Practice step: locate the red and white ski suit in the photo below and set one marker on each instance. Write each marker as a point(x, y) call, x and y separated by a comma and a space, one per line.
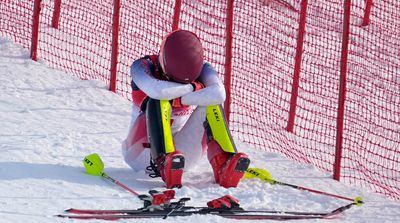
point(187, 122)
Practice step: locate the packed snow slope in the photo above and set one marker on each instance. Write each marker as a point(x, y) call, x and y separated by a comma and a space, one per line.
point(51, 120)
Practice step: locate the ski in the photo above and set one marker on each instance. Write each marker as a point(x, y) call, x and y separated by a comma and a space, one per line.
point(130, 211)
point(230, 216)
point(179, 210)
point(158, 204)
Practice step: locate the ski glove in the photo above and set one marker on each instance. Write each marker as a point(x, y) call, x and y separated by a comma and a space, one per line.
point(176, 103)
point(197, 85)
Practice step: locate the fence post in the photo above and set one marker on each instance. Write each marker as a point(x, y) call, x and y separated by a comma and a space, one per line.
point(177, 15)
point(114, 46)
point(342, 90)
point(367, 13)
point(297, 66)
point(56, 14)
point(228, 58)
point(35, 29)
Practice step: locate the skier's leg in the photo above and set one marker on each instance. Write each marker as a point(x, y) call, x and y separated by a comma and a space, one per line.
point(190, 138)
point(134, 146)
point(165, 159)
point(228, 164)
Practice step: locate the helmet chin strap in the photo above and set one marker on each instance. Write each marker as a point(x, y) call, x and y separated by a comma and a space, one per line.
point(161, 69)
point(166, 76)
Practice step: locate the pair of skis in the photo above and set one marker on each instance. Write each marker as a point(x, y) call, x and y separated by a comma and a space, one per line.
point(227, 207)
point(158, 204)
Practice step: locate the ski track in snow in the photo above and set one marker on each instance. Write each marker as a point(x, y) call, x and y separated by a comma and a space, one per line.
point(51, 120)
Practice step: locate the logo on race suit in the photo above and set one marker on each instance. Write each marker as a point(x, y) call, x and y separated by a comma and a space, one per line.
point(180, 112)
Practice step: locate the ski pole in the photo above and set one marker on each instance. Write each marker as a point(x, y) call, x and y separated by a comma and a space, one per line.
point(95, 166)
point(265, 176)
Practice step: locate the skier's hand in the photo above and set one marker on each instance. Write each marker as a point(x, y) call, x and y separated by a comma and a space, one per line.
point(176, 103)
point(197, 85)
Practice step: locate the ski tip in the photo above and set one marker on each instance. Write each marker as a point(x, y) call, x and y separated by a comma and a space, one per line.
point(358, 201)
point(73, 210)
point(60, 216)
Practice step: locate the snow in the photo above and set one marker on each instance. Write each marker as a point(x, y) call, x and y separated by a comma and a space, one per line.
point(51, 120)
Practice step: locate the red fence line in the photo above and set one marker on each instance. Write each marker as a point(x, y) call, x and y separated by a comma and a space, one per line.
point(368, 7)
point(228, 58)
point(114, 46)
point(342, 90)
point(56, 14)
point(177, 15)
point(35, 29)
point(297, 66)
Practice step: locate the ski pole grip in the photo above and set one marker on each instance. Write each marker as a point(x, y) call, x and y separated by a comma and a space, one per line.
point(93, 164)
point(358, 201)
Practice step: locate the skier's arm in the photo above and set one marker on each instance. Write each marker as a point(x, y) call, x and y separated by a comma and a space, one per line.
point(154, 88)
point(212, 94)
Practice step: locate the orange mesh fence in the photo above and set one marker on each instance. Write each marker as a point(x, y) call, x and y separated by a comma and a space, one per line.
point(16, 21)
point(372, 114)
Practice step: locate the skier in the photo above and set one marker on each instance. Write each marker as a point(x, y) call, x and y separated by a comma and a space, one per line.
point(181, 117)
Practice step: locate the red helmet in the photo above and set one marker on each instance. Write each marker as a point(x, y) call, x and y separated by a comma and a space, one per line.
point(181, 56)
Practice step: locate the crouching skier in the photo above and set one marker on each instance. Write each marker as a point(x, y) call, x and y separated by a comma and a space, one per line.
point(181, 117)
